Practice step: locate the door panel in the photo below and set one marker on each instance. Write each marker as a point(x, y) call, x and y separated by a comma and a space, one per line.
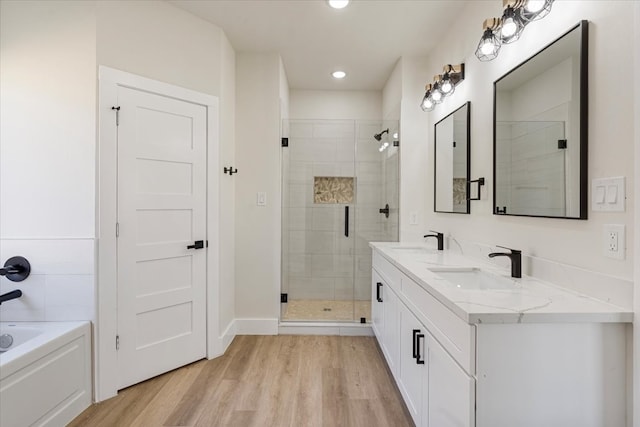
point(161, 210)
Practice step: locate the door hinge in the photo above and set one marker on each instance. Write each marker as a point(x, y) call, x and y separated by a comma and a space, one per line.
point(117, 229)
point(284, 142)
point(562, 144)
point(117, 110)
point(117, 342)
point(284, 298)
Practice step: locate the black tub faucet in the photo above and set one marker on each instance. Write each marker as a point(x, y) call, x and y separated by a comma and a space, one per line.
point(438, 236)
point(16, 269)
point(516, 260)
point(10, 295)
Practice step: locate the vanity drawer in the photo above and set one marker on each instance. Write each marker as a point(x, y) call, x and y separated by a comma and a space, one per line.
point(454, 334)
point(388, 271)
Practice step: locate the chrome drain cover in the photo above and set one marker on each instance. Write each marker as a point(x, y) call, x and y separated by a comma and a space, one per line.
point(5, 341)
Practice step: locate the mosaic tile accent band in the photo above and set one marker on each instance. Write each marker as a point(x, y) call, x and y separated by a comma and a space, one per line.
point(332, 189)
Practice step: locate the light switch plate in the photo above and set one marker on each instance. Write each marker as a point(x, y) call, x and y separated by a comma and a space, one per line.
point(608, 194)
point(413, 218)
point(261, 198)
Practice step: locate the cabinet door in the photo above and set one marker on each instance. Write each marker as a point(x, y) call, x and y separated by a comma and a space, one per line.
point(391, 333)
point(377, 312)
point(451, 396)
point(412, 371)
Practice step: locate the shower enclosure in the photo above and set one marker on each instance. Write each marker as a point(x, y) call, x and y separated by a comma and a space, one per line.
point(340, 187)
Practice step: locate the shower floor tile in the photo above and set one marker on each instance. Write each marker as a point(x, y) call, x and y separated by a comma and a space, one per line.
point(327, 310)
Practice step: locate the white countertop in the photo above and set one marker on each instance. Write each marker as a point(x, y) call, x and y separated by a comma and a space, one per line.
point(529, 301)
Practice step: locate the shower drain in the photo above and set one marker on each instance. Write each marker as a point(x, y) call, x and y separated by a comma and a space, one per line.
point(5, 341)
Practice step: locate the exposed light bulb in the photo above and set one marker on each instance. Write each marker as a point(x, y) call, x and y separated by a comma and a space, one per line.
point(427, 104)
point(338, 4)
point(446, 87)
point(395, 135)
point(509, 28)
point(534, 6)
point(436, 95)
point(487, 46)
point(339, 74)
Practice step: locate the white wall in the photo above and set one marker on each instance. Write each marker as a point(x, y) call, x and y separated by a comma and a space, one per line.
point(577, 243)
point(47, 156)
point(258, 80)
point(335, 105)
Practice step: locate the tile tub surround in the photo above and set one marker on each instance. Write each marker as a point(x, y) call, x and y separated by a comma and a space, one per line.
point(530, 301)
point(61, 286)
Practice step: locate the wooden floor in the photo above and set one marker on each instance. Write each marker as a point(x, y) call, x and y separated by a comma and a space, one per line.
point(266, 381)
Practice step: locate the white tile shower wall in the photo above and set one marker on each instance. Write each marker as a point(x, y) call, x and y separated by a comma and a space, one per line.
point(319, 259)
point(61, 286)
point(604, 287)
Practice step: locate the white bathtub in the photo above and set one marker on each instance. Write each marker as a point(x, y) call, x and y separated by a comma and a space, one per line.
point(45, 375)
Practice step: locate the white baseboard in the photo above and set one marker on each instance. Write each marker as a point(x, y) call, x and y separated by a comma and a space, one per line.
point(316, 328)
point(256, 326)
point(228, 335)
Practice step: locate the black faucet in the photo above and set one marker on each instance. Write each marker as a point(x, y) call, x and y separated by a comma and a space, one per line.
point(10, 295)
point(516, 260)
point(438, 236)
point(16, 269)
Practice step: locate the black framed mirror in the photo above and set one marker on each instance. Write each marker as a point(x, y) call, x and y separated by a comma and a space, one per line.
point(540, 141)
point(452, 165)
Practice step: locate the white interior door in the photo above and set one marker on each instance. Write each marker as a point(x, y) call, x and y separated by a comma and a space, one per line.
point(161, 211)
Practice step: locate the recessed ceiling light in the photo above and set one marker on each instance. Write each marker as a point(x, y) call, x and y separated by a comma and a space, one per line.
point(338, 4)
point(339, 74)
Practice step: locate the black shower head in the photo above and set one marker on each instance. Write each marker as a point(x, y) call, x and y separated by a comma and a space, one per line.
point(378, 136)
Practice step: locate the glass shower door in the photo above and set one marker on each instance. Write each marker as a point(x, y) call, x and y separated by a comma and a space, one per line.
point(340, 191)
point(318, 221)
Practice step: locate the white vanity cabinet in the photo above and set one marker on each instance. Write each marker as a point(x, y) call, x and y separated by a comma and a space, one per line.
point(386, 319)
point(553, 368)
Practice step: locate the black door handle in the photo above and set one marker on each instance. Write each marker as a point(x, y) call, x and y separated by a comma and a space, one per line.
point(198, 244)
point(378, 296)
point(346, 221)
point(415, 353)
point(418, 355)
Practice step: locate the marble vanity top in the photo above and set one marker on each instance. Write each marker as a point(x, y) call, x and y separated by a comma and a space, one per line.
point(525, 300)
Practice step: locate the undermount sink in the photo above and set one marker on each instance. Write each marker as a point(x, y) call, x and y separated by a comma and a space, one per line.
point(473, 278)
point(414, 250)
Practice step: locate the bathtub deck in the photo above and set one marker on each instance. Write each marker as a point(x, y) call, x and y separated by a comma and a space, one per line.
point(266, 381)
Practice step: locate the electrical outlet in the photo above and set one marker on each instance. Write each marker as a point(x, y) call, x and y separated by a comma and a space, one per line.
point(614, 241)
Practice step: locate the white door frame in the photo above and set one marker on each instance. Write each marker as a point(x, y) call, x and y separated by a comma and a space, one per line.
point(105, 355)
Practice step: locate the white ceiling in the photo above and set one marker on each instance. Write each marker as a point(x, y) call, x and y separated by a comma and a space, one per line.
point(365, 39)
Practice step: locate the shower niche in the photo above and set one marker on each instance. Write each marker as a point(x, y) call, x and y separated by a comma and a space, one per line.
point(336, 177)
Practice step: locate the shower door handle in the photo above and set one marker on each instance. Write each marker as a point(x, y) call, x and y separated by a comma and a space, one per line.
point(346, 221)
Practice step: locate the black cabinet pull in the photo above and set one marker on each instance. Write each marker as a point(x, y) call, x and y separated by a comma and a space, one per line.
point(415, 352)
point(378, 295)
point(418, 355)
point(198, 244)
point(346, 221)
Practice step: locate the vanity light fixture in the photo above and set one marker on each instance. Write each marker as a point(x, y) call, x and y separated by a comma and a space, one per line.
point(536, 9)
point(442, 86)
point(490, 44)
point(508, 28)
point(512, 23)
point(339, 74)
point(338, 4)
point(453, 74)
point(427, 103)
